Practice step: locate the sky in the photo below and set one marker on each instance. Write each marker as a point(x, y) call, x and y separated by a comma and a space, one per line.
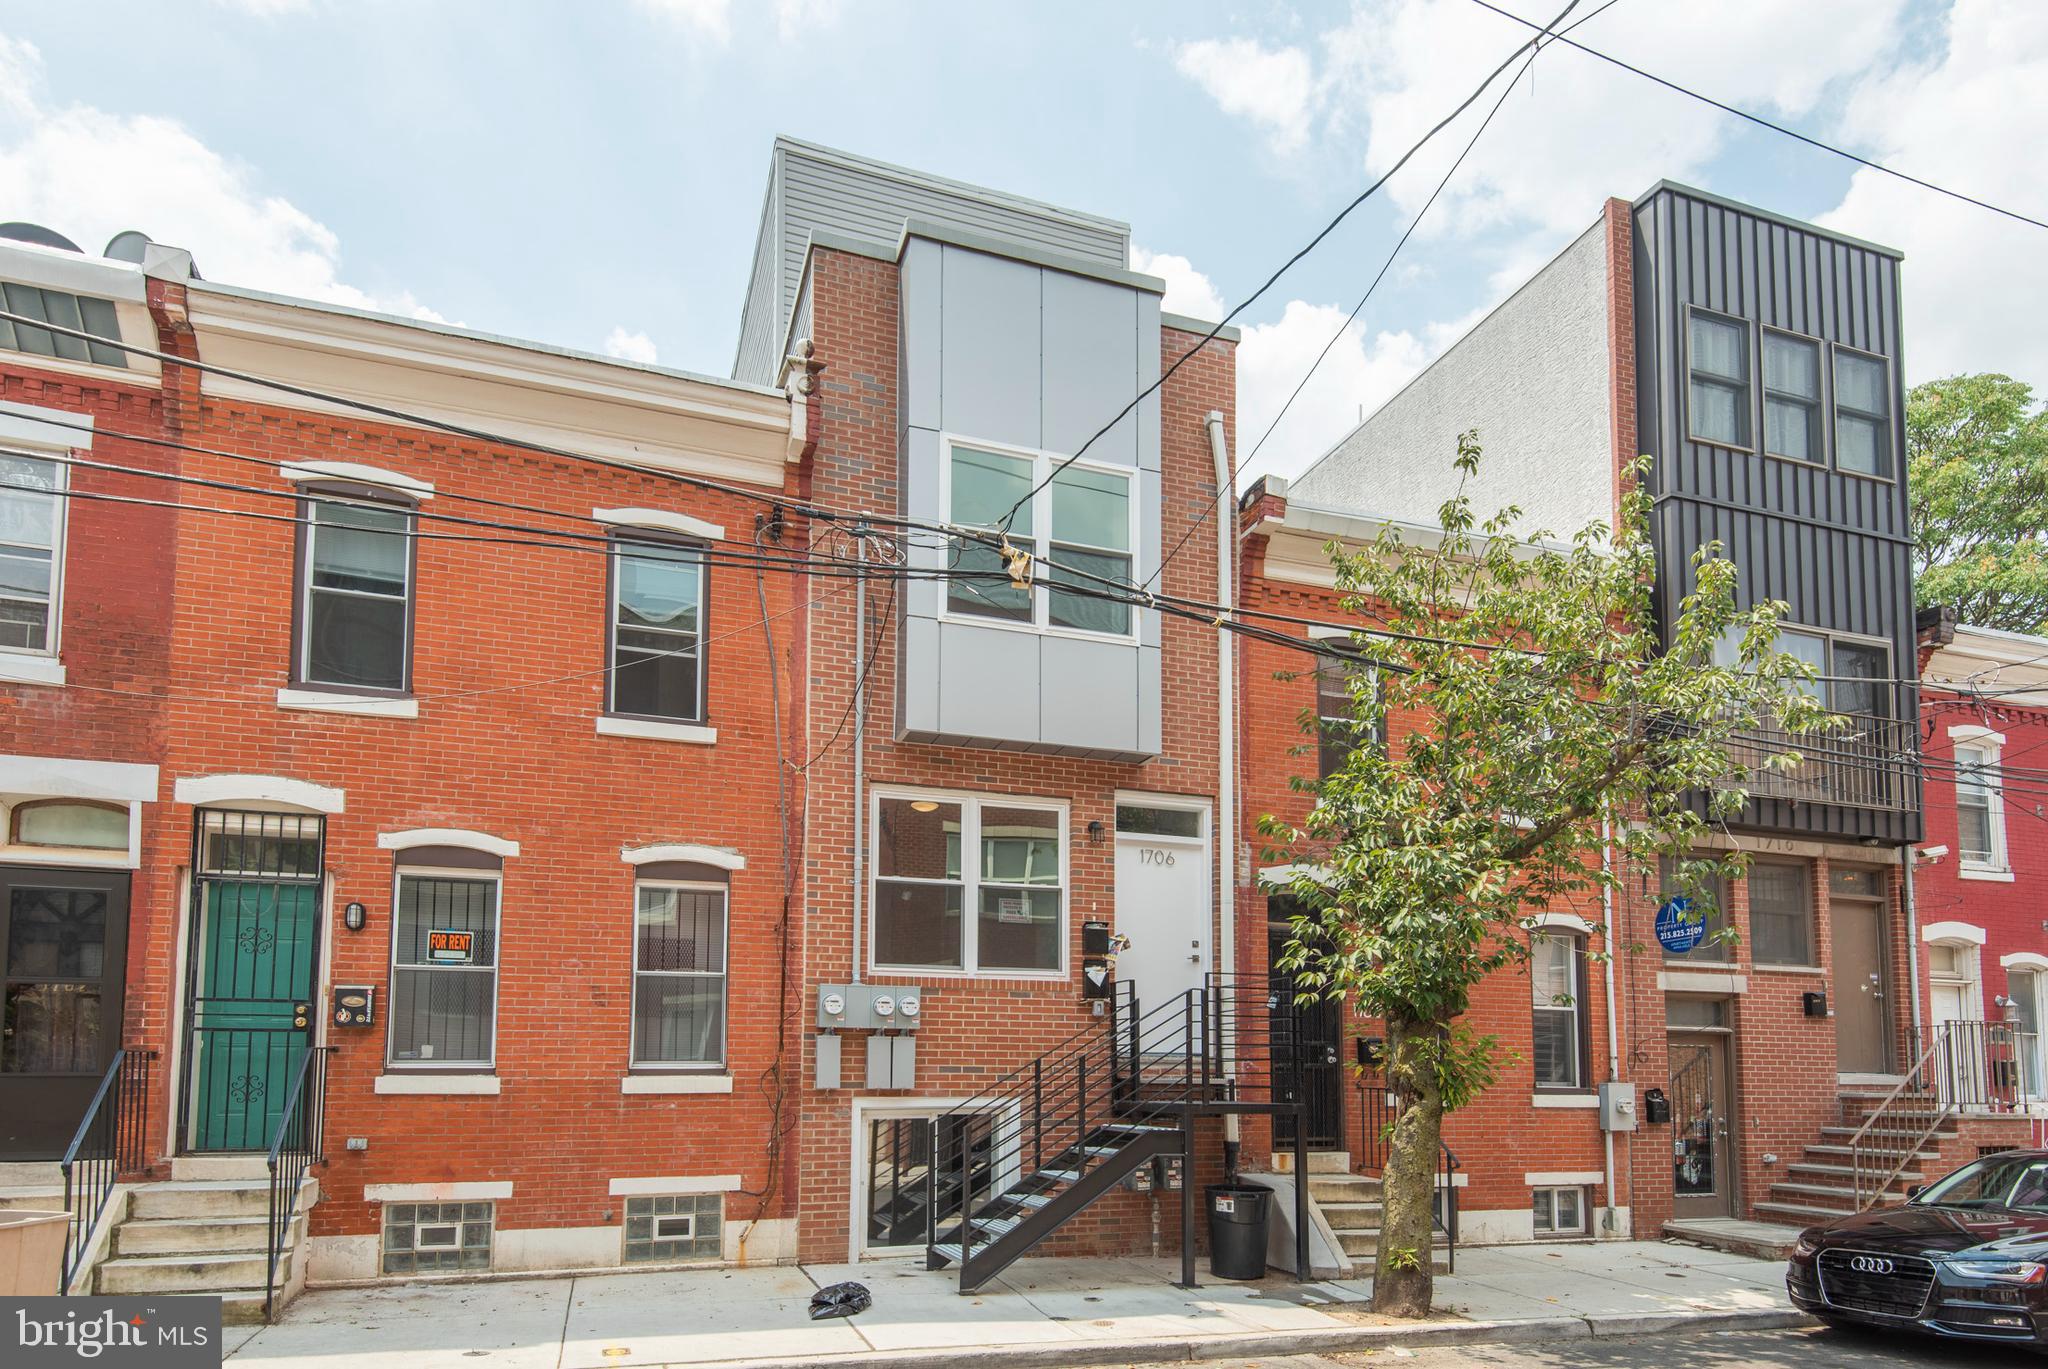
point(591, 175)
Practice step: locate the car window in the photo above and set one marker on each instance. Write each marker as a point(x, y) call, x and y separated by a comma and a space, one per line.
point(1995, 1181)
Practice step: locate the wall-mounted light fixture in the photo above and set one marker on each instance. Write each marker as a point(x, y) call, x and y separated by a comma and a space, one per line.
point(355, 917)
point(1095, 832)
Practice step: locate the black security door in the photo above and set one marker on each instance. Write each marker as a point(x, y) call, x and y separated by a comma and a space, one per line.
point(1307, 1064)
point(63, 969)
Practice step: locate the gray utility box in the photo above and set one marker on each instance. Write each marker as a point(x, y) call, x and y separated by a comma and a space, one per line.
point(1617, 1107)
point(870, 1007)
point(892, 1062)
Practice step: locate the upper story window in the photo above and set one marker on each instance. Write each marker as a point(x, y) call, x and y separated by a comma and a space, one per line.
point(1853, 675)
point(657, 625)
point(80, 312)
point(1085, 520)
point(31, 551)
point(1863, 426)
point(1339, 730)
point(356, 594)
point(1980, 803)
point(1792, 398)
point(1720, 380)
point(924, 886)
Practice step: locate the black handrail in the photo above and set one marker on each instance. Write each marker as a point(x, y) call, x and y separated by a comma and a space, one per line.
point(1379, 1107)
point(109, 1142)
point(294, 1147)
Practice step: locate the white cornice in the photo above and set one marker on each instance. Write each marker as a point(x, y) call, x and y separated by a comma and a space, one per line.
point(610, 410)
point(2013, 664)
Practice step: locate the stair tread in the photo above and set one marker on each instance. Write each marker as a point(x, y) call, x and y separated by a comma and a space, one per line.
point(1845, 1150)
point(1803, 1210)
point(207, 1219)
point(190, 1257)
point(1794, 1186)
point(1849, 1171)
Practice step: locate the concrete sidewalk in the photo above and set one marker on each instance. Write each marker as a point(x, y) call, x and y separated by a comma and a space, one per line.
point(1041, 1312)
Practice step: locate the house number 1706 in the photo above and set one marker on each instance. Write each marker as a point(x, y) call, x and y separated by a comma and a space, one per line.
point(1153, 855)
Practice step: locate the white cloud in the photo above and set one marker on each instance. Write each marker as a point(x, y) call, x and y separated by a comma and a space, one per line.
point(88, 174)
point(794, 18)
point(1272, 87)
point(629, 346)
point(710, 20)
point(1975, 118)
point(266, 9)
point(1188, 291)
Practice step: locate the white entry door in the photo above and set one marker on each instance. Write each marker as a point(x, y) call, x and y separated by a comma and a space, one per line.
point(1163, 899)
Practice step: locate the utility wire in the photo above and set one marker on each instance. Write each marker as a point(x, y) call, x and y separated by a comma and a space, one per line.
point(1004, 522)
point(1762, 122)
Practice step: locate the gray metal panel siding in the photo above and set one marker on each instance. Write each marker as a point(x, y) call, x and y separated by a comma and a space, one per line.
point(989, 360)
point(761, 316)
point(1833, 546)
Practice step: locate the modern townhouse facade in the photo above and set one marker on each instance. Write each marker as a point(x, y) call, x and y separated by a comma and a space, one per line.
point(998, 777)
point(1754, 360)
point(1983, 864)
point(463, 826)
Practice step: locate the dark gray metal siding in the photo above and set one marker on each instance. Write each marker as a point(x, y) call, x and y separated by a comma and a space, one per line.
point(1834, 546)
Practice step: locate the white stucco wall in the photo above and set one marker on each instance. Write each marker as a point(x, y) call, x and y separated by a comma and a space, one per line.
point(1532, 377)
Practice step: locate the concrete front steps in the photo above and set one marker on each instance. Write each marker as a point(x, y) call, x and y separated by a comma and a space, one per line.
point(206, 1230)
point(1350, 1203)
point(33, 1184)
point(1821, 1186)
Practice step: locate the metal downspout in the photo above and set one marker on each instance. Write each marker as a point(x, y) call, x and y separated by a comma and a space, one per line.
point(1226, 727)
point(1613, 1024)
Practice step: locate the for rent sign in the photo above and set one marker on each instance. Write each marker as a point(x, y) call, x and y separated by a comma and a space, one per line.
point(114, 1333)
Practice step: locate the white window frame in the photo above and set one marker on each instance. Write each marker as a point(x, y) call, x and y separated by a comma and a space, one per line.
point(624, 540)
point(1992, 745)
point(1578, 1011)
point(60, 520)
point(1579, 1196)
point(496, 971)
point(971, 805)
point(717, 1066)
point(302, 670)
point(1041, 539)
point(1004, 1173)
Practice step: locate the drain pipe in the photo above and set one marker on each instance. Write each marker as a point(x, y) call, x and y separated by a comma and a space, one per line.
point(1226, 729)
point(860, 736)
point(1613, 1025)
point(1906, 861)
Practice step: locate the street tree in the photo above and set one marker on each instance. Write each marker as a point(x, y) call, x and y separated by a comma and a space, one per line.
point(1536, 720)
point(1977, 449)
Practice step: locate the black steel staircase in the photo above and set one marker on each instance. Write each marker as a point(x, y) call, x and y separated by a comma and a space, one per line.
point(1012, 1165)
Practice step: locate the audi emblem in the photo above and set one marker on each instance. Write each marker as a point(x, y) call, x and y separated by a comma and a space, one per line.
point(1871, 1264)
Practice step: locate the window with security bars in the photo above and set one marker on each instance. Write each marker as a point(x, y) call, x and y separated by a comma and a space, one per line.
point(31, 551)
point(430, 1238)
point(1559, 1006)
point(678, 1226)
point(679, 975)
point(80, 313)
point(1709, 906)
point(444, 970)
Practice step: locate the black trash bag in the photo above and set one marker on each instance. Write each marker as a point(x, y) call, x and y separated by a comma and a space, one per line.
point(840, 1300)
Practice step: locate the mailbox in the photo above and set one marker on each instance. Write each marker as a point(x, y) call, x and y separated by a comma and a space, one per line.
point(354, 1005)
point(1098, 961)
point(1656, 1107)
point(1814, 1003)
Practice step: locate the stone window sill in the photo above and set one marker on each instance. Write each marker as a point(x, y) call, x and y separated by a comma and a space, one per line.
point(16, 668)
point(363, 705)
point(693, 734)
point(1991, 873)
point(1565, 1100)
point(437, 1084)
point(676, 1083)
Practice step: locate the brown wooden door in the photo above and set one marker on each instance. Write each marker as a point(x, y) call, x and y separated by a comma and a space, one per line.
point(1862, 1033)
point(63, 969)
point(1702, 1128)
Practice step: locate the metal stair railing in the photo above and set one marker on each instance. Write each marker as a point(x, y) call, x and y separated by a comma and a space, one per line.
point(1964, 1066)
point(295, 1146)
point(110, 1141)
point(1379, 1107)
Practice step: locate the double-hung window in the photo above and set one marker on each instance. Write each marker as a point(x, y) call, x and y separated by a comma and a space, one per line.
point(356, 594)
point(31, 551)
point(968, 885)
point(679, 974)
point(657, 628)
point(1084, 520)
point(444, 969)
point(1344, 687)
point(1719, 391)
point(1980, 807)
point(1863, 426)
point(1780, 913)
point(1792, 398)
point(1557, 992)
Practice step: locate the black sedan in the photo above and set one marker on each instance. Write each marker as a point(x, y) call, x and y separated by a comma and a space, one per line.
point(1965, 1257)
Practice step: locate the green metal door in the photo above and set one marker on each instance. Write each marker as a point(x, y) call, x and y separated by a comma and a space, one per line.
point(251, 1009)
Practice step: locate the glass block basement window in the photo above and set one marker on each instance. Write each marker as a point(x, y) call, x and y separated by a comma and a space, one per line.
point(674, 1227)
point(426, 1238)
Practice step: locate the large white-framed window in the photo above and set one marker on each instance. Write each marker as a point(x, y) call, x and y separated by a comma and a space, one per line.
point(1085, 519)
point(1980, 802)
point(1557, 984)
point(31, 552)
point(2026, 999)
point(355, 592)
point(444, 969)
point(680, 932)
point(967, 884)
point(656, 627)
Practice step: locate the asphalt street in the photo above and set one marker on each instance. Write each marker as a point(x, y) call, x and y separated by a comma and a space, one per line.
point(1718, 1350)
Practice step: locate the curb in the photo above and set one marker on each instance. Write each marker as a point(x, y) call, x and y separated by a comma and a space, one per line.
point(1327, 1340)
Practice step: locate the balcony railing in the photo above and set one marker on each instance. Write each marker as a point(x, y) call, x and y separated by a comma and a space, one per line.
point(1868, 762)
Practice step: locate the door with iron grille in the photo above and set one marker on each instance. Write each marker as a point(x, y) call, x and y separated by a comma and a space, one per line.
point(1307, 1063)
point(254, 963)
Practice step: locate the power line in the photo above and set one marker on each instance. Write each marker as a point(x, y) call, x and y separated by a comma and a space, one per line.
point(1003, 523)
point(1762, 122)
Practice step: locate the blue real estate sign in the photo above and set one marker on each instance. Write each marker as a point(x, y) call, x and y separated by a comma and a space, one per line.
point(1679, 928)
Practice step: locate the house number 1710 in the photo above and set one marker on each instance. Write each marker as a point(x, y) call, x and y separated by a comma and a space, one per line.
point(1153, 855)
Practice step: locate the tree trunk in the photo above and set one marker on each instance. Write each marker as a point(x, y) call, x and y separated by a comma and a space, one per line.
point(1402, 1285)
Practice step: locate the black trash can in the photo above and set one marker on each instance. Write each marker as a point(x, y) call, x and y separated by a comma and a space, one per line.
point(1237, 1230)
